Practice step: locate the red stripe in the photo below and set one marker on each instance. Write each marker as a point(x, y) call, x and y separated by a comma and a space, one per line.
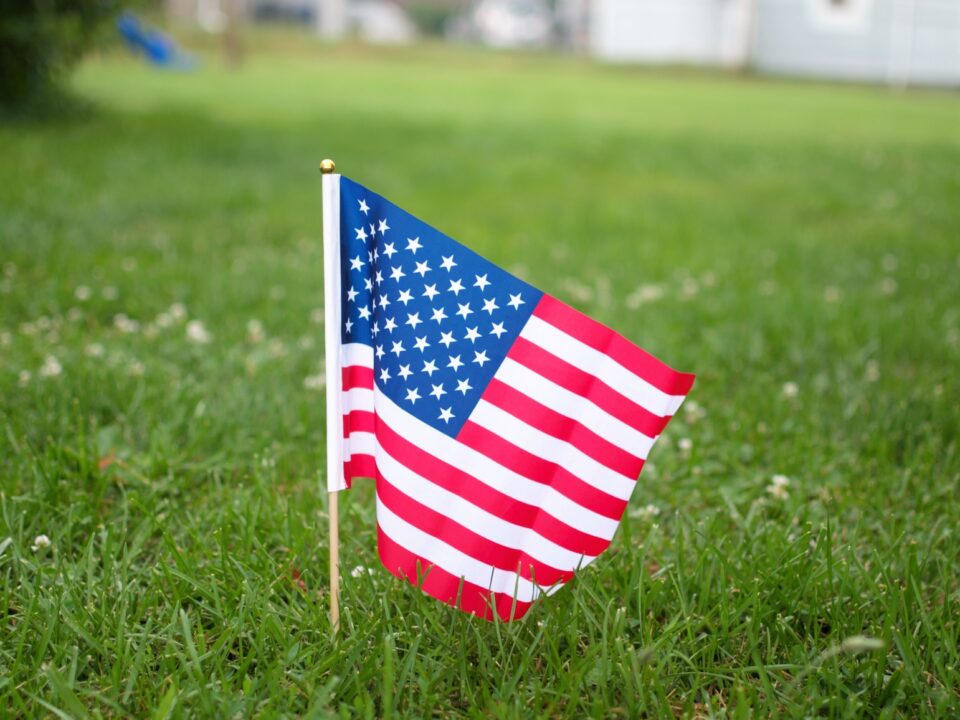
point(562, 428)
point(539, 470)
point(359, 421)
point(466, 540)
point(359, 466)
point(485, 497)
point(444, 586)
point(587, 386)
point(605, 340)
point(357, 376)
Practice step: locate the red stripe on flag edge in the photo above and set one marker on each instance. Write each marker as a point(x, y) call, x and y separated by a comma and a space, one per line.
point(487, 498)
point(360, 466)
point(587, 386)
point(603, 339)
point(465, 540)
point(444, 586)
point(562, 428)
point(539, 470)
point(357, 376)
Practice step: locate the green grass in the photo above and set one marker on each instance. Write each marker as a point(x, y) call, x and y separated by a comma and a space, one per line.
point(768, 235)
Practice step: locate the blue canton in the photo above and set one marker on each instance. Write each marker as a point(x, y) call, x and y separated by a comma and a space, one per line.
point(440, 318)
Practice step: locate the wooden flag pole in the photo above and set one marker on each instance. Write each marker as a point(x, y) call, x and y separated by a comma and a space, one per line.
point(331, 303)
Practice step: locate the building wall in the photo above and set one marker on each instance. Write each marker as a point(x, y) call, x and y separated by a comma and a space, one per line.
point(896, 41)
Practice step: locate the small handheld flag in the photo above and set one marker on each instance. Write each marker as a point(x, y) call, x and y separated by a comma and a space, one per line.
point(505, 430)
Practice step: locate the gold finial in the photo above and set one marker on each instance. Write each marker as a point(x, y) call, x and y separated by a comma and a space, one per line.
point(327, 166)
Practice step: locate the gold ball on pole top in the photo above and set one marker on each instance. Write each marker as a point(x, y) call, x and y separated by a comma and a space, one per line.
point(327, 166)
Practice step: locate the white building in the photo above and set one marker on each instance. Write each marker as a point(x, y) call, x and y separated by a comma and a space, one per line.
point(897, 41)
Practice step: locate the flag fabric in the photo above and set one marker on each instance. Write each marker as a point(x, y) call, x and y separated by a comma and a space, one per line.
point(505, 430)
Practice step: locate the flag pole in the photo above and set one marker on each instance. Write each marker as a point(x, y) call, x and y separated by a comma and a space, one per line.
point(331, 305)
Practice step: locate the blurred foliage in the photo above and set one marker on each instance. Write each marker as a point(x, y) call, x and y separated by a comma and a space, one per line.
point(40, 40)
point(431, 16)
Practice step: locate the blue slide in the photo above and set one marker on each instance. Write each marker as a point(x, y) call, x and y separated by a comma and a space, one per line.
point(156, 47)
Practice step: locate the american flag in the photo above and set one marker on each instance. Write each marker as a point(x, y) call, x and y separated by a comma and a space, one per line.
point(504, 429)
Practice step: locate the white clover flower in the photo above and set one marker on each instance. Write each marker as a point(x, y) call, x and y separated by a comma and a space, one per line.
point(40, 542)
point(23, 378)
point(28, 328)
point(151, 331)
point(6, 338)
point(82, 293)
point(643, 295)
point(255, 333)
point(129, 264)
point(778, 487)
point(316, 316)
point(51, 367)
point(9, 269)
point(693, 411)
point(74, 314)
point(359, 570)
point(689, 288)
point(305, 342)
point(646, 513)
point(94, 350)
point(164, 320)
point(109, 293)
point(831, 294)
point(790, 390)
point(872, 373)
point(178, 311)
point(685, 445)
point(125, 324)
point(197, 333)
point(136, 369)
point(276, 348)
point(888, 286)
point(315, 382)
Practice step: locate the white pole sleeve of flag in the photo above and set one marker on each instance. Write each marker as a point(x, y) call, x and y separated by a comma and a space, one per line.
point(331, 324)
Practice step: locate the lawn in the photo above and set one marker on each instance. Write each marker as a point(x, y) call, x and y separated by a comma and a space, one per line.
point(161, 404)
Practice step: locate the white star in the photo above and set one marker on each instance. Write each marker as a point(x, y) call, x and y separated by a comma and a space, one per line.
point(376, 252)
point(365, 313)
point(413, 245)
point(368, 284)
point(413, 319)
point(430, 291)
point(471, 335)
point(397, 348)
point(364, 208)
point(405, 296)
point(456, 286)
point(498, 330)
point(349, 326)
point(430, 367)
point(379, 279)
point(446, 339)
point(361, 234)
point(373, 230)
point(482, 281)
point(413, 395)
point(370, 255)
point(439, 315)
point(438, 391)
point(356, 263)
point(480, 357)
point(464, 310)
point(380, 352)
point(463, 386)
point(422, 268)
point(455, 363)
point(351, 294)
point(384, 300)
point(397, 273)
point(421, 344)
point(490, 305)
point(448, 263)
point(516, 302)
point(390, 325)
point(405, 371)
point(446, 414)
point(389, 250)
point(383, 227)
point(384, 375)
point(375, 329)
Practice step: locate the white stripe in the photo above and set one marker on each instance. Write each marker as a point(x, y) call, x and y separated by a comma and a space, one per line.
point(569, 404)
point(448, 450)
point(356, 354)
point(360, 443)
point(358, 399)
point(485, 524)
point(453, 561)
point(553, 450)
point(578, 354)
